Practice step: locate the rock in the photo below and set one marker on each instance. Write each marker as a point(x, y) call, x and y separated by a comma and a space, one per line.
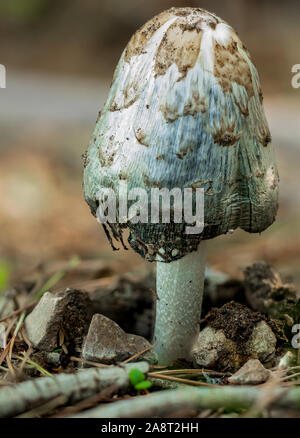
point(107, 343)
point(262, 342)
point(130, 303)
point(53, 360)
point(210, 347)
point(233, 335)
point(289, 359)
point(67, 312)
point(252, 373)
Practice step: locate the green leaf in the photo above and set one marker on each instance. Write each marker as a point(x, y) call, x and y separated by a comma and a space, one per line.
point(143, 385)
point(136, 376)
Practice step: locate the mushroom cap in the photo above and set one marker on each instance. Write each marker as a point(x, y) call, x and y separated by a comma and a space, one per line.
point(185, 110)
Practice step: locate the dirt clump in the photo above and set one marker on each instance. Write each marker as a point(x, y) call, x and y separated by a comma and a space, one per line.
point(235, 320)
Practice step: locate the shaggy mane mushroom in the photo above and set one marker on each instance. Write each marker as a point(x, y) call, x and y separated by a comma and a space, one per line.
point(184, 111)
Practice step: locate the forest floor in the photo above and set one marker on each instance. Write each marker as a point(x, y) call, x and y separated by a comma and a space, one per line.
point(50, 242)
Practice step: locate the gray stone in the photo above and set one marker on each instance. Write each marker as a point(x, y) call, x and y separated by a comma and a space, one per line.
point(211, 346)
point(287, 360)
point(262, 343)
point(107, 343)
point(68, 312)
point(214, 350)
point(252, 373)
point(129, 302)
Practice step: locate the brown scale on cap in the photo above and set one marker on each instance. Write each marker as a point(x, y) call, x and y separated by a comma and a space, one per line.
point(182, 42)
point(184, 12)
point(196, 104)
point(231, 66)
point(224, 132)
point(243, 106)
point(226, 136)
point(150, 183)
point(264, 135)
point(183, 50)
point(137, 44)
point(184, 151)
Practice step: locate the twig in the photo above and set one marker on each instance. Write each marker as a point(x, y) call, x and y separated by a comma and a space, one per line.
point(45, 408)
point(15, 400)
point(290, 377)
point(88, 402)
point(163, 403)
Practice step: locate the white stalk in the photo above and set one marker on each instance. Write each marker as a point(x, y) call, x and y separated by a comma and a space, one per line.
point(179, 288)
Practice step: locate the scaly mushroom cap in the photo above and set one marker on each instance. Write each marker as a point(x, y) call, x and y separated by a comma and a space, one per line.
point(185, 110)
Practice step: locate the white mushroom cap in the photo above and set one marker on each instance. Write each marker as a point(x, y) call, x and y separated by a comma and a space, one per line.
point(185, 110)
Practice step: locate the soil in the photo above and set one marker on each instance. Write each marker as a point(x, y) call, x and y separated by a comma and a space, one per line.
point(235, 320)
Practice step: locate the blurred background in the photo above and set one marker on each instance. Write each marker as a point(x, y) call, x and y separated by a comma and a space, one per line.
point(60, 57)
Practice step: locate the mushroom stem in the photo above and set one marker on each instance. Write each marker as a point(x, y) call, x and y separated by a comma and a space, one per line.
point(179, 287)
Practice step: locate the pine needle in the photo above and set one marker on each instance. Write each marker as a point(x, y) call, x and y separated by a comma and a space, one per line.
point(179, 380)
point(139, 353)
point(89, 362)
point(34, 365)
